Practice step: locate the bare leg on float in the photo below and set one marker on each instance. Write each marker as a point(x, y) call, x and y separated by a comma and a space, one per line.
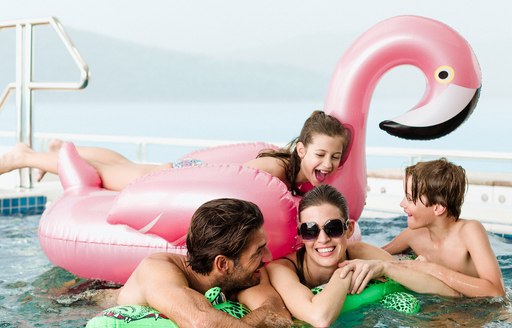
point(53, 146)
point(115, 170)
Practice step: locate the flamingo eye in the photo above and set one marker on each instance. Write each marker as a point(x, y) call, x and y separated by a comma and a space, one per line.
point(444, 74)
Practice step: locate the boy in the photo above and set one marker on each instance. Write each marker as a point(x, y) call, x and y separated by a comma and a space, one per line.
point(454, 250)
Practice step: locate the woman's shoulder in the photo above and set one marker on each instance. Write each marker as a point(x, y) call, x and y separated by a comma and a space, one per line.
point(289, 260)
point(362, 250)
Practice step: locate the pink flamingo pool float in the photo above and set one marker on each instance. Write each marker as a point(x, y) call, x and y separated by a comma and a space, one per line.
point(101, 234)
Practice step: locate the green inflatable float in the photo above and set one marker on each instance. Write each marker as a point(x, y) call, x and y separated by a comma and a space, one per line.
point(389, 293)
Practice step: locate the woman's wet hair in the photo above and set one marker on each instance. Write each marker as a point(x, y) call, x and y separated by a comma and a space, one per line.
point(221, 227)
point(318, 123)
point(438, 182)
point(325, 194)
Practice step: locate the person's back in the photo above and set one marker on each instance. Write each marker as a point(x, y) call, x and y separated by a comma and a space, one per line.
point(131, 292)
point(454, 250)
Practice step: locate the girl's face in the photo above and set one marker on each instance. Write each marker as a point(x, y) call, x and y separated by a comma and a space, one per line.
point(328, 248)
point(319, 158)
point(418, 215)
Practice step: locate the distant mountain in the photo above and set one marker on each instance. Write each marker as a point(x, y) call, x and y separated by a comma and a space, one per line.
point(127, 71)
point(297, 69)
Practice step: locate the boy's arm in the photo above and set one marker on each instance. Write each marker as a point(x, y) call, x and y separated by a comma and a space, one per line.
point(400, 243)
point(267, 307)
point(365, 270)
point(489, 282)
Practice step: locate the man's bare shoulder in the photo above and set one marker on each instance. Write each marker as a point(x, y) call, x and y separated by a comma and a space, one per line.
point(176, 259)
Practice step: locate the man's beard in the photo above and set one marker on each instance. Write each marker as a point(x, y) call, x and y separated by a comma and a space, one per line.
point(236, 282)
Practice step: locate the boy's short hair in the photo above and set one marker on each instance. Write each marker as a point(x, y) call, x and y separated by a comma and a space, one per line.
point(440, 182)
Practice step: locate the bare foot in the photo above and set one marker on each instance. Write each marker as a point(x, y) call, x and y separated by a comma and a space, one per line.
point(53, 146)
point(14, 158)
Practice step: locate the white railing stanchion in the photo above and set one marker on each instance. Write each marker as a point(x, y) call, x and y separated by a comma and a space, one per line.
point(24, 85)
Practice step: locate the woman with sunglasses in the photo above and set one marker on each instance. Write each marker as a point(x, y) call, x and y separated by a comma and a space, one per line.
point(325, 229)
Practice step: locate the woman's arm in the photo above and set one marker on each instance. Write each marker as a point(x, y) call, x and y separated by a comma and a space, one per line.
point(318, 310)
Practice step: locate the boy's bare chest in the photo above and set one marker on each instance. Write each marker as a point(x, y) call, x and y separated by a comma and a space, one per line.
point(448, 253)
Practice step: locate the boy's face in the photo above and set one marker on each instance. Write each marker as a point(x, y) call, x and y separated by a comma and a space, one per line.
point(418, 215)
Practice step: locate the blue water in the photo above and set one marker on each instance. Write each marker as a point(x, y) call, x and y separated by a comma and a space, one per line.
point(486, 130)
point(34, 293)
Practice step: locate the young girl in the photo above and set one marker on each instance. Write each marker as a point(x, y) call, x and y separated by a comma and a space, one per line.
point(325, 229)
point(315, 154)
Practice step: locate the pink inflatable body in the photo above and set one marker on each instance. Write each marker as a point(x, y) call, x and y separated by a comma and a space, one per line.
point(101, 234)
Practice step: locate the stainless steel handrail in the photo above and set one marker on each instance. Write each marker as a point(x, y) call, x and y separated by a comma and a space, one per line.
point(24, 83)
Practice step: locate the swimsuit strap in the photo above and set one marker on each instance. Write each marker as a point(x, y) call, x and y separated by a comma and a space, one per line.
point(298, 268)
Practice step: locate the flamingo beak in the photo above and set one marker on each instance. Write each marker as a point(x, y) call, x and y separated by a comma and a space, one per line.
point(436, 118)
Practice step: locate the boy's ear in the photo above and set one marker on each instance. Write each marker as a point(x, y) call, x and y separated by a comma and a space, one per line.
point(439, 209)
point(301, 149)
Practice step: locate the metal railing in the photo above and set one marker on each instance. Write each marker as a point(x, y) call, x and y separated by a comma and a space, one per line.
point(24, 84)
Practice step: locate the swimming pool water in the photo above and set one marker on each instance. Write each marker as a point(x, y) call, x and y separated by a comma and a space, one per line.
point(34, 293)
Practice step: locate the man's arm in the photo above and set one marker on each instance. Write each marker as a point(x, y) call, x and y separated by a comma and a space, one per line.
point(164, 286)
point(267, 307)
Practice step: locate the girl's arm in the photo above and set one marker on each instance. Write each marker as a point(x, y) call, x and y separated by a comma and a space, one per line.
point(318, 310)
point(271, 165)
point(489, 282)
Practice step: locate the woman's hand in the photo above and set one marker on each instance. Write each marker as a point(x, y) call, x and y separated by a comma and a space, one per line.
point(364, 271)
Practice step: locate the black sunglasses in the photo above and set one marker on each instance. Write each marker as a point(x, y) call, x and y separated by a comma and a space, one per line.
point(332, 228)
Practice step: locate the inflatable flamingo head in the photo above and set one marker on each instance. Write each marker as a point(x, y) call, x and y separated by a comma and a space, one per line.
point(453, 85)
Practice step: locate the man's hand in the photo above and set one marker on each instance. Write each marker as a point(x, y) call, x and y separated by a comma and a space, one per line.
point(274, 320)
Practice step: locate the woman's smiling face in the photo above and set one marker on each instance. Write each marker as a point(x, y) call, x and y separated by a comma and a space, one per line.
point(324, 250)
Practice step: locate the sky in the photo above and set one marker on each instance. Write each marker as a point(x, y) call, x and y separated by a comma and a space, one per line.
point(238, 28)
point(224, 25)
point(309, 34)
